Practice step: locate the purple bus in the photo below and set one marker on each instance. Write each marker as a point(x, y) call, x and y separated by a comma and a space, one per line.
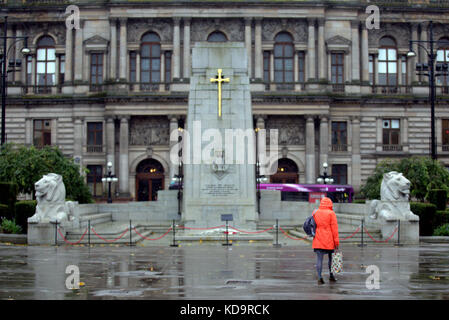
point(311, 192)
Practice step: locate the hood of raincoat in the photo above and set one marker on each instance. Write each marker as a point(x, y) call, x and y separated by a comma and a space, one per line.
point(326, 203)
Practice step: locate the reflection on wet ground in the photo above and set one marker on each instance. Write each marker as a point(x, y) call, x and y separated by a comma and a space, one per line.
point(216, 272)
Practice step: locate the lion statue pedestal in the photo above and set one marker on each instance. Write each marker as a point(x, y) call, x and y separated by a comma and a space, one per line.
point(394, 206)
point(51, 210)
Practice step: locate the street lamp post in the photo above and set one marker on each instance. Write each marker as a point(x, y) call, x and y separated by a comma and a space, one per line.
point(109, 178)
point(259, 178)
point(4, 72)
point(429, 71)
point(325, 178)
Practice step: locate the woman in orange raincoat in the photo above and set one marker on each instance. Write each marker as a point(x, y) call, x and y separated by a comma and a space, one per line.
point(326, 236)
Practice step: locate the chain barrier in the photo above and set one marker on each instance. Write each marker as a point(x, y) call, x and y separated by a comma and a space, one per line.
point(238, 230)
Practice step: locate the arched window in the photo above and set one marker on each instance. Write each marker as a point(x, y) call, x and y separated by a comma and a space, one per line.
point(287, 172)
point(442, 57)
point(388, 64)
point(283, 58)
point(45, 61)
point(217, 36)
point(150, 58)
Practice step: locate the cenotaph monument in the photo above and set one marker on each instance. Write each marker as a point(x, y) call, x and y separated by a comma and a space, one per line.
point(219, 147)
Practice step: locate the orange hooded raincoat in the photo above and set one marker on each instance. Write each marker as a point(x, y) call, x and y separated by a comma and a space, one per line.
point(326, 235)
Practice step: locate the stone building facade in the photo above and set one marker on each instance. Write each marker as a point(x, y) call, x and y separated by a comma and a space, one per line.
point(115, 88)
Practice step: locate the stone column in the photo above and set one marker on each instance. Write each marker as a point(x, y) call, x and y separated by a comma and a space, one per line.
point(321, 51)
point(124, 157)
point(113, 63)
point(28, 131)
point(176, 62)
point(68, 55)
point(324, 139)
point(78, 137)
point(173, 127)
point(376, 69)
point(356, 158)
point(258, 59)
point(187, 58)
point(310, 150)
point(271, 67)
point(412, 61)
point(355, 52)
point(311, 49)
point(423, 58)
point(17, 75)
point(79, 54)
point(295, 67)
point(110, 142)
point(248, 43)
point(123, 48)
point(365, 55)
point(138, 68)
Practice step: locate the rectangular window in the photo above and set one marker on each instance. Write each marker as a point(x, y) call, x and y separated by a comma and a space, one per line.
point(339, 136)
point(96, 69)
point(94, 137)
point(29, 70)
point(168, 66)
point(132, 66)
point(61, 68)
point(340, 173)
point(445, 134)
point(404, 70)
point(301, 66)
point(390, 131)
point(42, 133)
point(371, 69)
point(337, 67)
point(266, 66)
point(94, 182)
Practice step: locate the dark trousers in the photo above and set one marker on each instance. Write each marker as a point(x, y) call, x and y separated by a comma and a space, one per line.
point(319, 260)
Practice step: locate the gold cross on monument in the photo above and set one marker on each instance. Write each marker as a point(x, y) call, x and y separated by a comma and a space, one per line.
point(219, 79)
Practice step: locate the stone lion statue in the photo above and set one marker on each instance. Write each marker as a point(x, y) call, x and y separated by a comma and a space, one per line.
point(394, 199)
point(51, 204)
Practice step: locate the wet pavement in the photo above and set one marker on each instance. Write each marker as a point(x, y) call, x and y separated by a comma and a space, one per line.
point(212, 271)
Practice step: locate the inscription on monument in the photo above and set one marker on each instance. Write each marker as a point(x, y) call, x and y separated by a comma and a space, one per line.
point(219, 190)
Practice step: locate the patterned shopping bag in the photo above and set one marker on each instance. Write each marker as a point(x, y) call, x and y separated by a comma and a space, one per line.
point(337, 262)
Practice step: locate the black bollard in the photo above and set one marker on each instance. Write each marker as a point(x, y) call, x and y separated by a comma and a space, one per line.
point(227, 233)
point(88, 232)
point(56, 233)
point(174, 235)
point(362, 244)
point(398, 244)
point(277, 244)
point(130, 234)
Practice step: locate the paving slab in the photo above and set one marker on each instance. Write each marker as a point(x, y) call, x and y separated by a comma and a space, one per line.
point(206, 271)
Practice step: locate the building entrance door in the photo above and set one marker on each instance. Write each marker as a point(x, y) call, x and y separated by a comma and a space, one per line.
point(149, 180)
point(287, 172)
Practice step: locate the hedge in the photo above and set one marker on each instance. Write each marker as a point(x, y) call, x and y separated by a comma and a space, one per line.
point(4, 210)
point(438, 197)
point(442, 230)
point(427, 217)
point(24, 210)
point(441, 217)
point(8, 196)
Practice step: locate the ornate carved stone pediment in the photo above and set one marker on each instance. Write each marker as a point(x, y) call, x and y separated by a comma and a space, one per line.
point(96, 40)
point(338, 40)
point(291, 129)
point(149, 131)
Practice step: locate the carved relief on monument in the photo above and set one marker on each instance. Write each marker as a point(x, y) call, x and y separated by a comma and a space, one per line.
point(233, 29)
point(146, 131)
point(297, 28)
point(138, 27)
point(399, 31)
point(291, 129)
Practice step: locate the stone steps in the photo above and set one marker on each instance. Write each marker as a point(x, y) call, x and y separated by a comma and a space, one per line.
point(94, 219)
point(108, 234)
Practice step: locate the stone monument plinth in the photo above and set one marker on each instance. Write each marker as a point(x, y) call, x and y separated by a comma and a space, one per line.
point(219, 140)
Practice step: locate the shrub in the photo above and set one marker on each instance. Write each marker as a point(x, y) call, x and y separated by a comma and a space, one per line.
point(8, 196)
point(441, 217)
point(426, 213)
point(442, 230)
point(4, 210)
point(438, 197)
point(9, 226)
point(24, 210)
point(359, 201)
